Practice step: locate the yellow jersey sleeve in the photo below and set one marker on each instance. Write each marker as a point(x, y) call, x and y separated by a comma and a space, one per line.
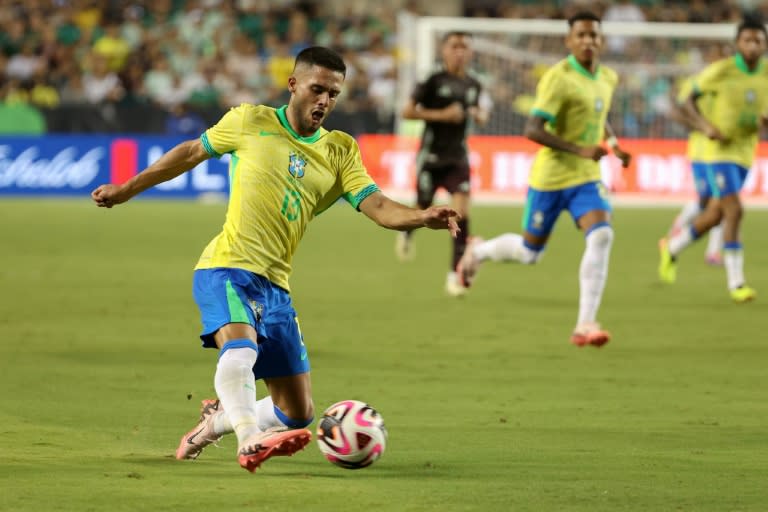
point(356, 183)
point(708, 81)
point(224, 136)
point(685, 90)
point(549, 97)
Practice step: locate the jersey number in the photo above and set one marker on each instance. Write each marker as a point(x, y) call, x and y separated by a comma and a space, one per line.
point(291, 204)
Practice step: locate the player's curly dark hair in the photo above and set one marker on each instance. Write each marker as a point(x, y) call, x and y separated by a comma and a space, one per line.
point(323, 57)
point(583, 16)
point(751, 21)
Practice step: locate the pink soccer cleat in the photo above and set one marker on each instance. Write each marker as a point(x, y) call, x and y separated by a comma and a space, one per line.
point(260, 447)
point(714, 259)
point(590, 334)
point(193, 442)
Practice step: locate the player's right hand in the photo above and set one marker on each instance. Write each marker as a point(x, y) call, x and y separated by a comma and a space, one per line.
point(713, 133)
point(107, 196)
point(593, 152)
point(454, 113)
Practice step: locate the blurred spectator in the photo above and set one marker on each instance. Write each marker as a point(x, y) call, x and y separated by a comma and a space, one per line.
point(100, 84)
point(112, 47)
point(43, 94)
point(25, 64)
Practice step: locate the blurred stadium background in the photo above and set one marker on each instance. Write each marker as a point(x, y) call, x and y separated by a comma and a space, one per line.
point(170, 68)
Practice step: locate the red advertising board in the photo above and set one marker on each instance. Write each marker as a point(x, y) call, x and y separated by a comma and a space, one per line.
point(659, 171)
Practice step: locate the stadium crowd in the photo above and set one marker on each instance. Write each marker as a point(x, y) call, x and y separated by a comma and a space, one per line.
point(186, 58)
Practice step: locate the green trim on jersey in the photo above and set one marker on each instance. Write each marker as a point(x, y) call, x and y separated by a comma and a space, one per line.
point(237, 311)
point(575, 64)
point(233, 169)
point(546, 115)
point(358, 198)
point(742, 65)
point(284, 121)
point(207, 146)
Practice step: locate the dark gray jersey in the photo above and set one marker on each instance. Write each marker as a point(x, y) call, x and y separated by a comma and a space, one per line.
point(445, 143)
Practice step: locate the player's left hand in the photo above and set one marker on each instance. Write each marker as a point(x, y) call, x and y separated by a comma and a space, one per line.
point(442, 217)
point(622, 155)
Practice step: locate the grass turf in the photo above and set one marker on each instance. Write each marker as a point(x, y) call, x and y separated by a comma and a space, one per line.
point(487, 404)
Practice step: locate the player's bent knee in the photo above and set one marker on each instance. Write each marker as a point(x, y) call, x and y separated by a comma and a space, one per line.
point(600, 235)
point(295, 423)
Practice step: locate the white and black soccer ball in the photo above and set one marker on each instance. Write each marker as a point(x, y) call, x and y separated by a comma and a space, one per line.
point(351, 434)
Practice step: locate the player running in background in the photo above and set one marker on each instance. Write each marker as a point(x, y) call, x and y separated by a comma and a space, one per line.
point(713, 253)
point(285, 169)
point(737, 88)
point(569, 118)
point(447, 101)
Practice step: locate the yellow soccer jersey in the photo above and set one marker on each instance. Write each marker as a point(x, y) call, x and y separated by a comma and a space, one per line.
point(576, 103)
point(696, 139)
point(278, 182)
point(738, 98)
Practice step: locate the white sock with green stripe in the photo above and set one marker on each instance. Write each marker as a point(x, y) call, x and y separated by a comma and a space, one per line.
point(236, 386)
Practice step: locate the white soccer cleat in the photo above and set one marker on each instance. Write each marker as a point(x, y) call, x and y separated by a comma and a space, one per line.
point(453, 286)
point(404, 249)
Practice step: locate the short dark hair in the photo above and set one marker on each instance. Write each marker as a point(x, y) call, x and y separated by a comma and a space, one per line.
point(583, 16)
point(323, 57)
point(751, 22)
point(458, 33)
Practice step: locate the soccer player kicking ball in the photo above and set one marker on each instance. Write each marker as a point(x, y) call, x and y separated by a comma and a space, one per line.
point(569, 118)
point(285, 169)
point(735, 90)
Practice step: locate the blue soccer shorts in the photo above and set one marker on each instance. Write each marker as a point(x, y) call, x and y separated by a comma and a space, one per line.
point(229, 295)
point(718, 179)
point(543, 207)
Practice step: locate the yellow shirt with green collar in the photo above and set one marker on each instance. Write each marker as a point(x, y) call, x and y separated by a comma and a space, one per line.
point(575, 103)
point(738, 98)
point(279, 181)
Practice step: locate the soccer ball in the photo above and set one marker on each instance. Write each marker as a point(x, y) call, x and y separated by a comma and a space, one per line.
point(351, 434)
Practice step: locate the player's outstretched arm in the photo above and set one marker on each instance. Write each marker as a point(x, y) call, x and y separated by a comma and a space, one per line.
point(535, 131)
point(393, 215)
point(175, 162)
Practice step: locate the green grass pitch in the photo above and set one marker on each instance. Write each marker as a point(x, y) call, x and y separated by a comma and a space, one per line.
point(488, 406)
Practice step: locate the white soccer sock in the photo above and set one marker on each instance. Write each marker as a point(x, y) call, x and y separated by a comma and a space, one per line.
point(507, 247)
point(593, 272)
point(686, 215)
point(680, 240)
point(236, 388)
point(715, 240)
point(265, 413)
point(734, 267)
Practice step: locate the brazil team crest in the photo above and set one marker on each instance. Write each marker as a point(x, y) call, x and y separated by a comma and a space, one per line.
point(296, 165)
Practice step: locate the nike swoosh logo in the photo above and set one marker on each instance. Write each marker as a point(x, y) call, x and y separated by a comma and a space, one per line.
point(304, 355)
point(267, 134)
point(191, 439)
